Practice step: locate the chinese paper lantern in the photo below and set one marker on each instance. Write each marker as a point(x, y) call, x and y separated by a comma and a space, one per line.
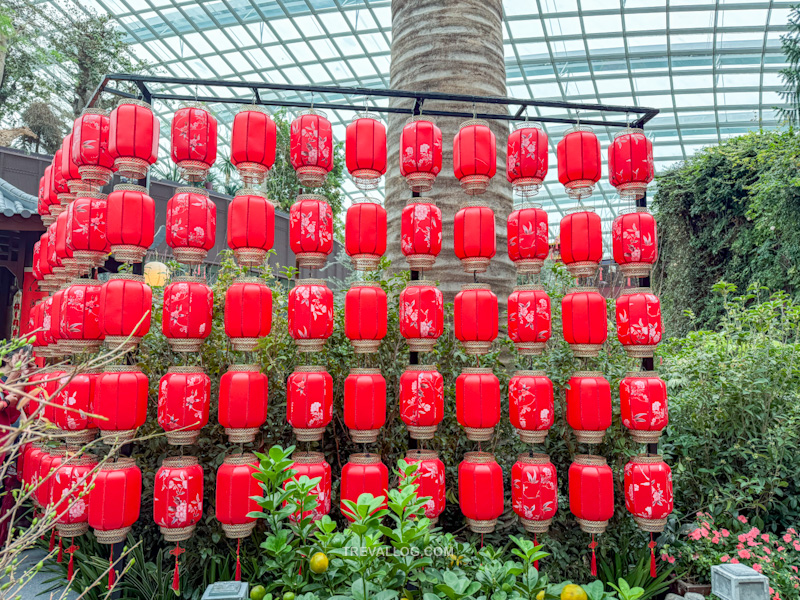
point(634, 238)
point(474, 237)
point(59, 185)
point(648, 491)
point(311, 147)
point(184, 396)
point(474, 156)
point(125, 307)
point(73, 407)
point(178, 497)
point(194, 142)
point(480, 491)
point(120, 401)
point(589, 406)
point(313, 465)
point(54, 259)
point(591, 496)
point(191, 225)
point(46, 282)
point(365, 316)
point(421, 400)
point(365, 150)
point(475, 317)
point(69, 490)
point(630, 163)
point(310, 314)
point(49, 463)
point(430, 479)
point(534, 491)
point(309, 402)
point(69, 168)
point(130, 222)
point(529, 325)
point(115, 500)
point(243, 400)
point(248, 312)
point(421, 233)
point(311, 230)
point(579, 161)
point(365, 234)
point(421, 315)
point(30, 469)
point(253, 141)
point(251, 227)
point(528, 239)
point(70, 264)
point(581, 242)
point(133, 138)
point(44, 200)
point(526, 159)
point(363, 474)
point(36, 256)
point(43, 338)
point(639, 325)
point(530, 405)
point(235, 485)
point(86, 229)
point(584, 321)
point(420, 153)
point(364, 404)
point(54, 308)
point(643, 403)
point(90, 138)
point(478, 403)
point(187, 315)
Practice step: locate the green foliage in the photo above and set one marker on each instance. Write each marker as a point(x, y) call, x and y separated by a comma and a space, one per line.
point(634, 569)
point(790, 44)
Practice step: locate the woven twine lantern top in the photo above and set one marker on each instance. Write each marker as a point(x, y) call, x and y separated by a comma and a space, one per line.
point(309, 369)
point(583, 290)
point(525, 373)
point(314, 111)
point(186, 369)
point(130, 187)
point(653, 374)
point(633, 209)
point(244, 458)
point(309, 458)
point(192, 190)
point(253, 107)
point(246, 368)
point(590, 460)
point(479, 457)
point(578, 127)
point(474, 204)
point(476, 286)
point(319, 197)
point(628, 131)
point(188, 279)
point(310, 282)
point(533, 287)
point(95, 111)
point(470, 122)
point(477, 371)
point(364, 459)
point(420, 200)
point(250, 192)
point(364, 371)
point(120, 464)
point(80, 460)
point(580, 209)
point(128, 276)
point(256, 280)
point(634, 291)
point(134, 101)
point(587, 374)
point(57, 451)
point(423, 368)
point(421, 283)
point(647, 459)
point(364, 284)
point(91, 194)
point(367, 200)
point(122, 369)
point(422, 454)
point(175, 462)
point(85, 282)
point(534, 459)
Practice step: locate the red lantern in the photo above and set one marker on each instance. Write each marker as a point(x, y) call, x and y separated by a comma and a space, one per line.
point(30, 469)
point(430, 479)
point(191, 225)
point(178, 497)
point(478, 403)
point(591, 492)
point(49, 463)
point(43, 337)
point(184, 396)
point(365, 316)
point(529, 325)
point(530, 405)
point(648, 491)
point(133, 138)
point(589, 406)
point(639, 325)
point(115, 500)
point(311, 147)
point(54, 309)
point(480, 491)
point(634, 237)
point(526, 160)
point(528, 239)
point(120, 401)
point(310, 314)
point(59, 184)
point(248, 313)
point(47, 282)
point(71, 266)
point(34, 329)
point(90, 137)
point(187, 315)
point(474, 237)
point(421, 400)
point(69, 490)
point(365, 151)
point(45, 201)
point(73, 407)
point(251, 227)
point(130, 222)
point(311, 230)
point(534, 491)
point(194, 142)
point(643, 402)
point(253, 141)
point(363, 474)
point(243, 400)
point(125, 307)
point(476, 316)
point(54, 259)
point(584, 321)
point(35, 258)
point(581, 242)
point(235, 485)
point(86, 230)
point(579, 161)
point(421, 233)
point(309, 402)
point(420, 153)
point(69, 168)
point(474, 156)
point(421, 315)
point(630, 163)
point(313, 465)
point(365, 234)
point(364, 404)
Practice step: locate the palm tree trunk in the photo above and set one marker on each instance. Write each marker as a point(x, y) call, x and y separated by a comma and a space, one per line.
point(453, 46)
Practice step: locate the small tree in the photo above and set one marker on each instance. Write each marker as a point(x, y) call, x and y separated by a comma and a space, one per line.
point(45, 124)
point(790, 44)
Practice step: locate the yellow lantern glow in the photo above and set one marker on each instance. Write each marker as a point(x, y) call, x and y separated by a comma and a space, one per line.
point(156, 274)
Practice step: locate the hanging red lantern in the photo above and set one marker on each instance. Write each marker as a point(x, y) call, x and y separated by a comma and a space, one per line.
point(194, 142)
point(130, 222)
point(86, 230)
point(474, 156)
point(120, 401)
point(591, 496)
point(420, 153)
point(133, 138)
point(648, 491)
point(430, 479)
point(235, 486)
point(310, 314)
point(643, 403)
point(364, 404)
point(55, 323)
point(188, 312)
point(70, 264)
point(30, 469)
point(71, 483)
point(529, 324)
point(48, 465)
point(630, 163)
point(34, 330)
point(251, 227)
point(47, 282)
point(534, 491)
point(184, 396)
point(421, 233)
point(253, 142)
point(43, 338)
point(530, 405)
point(309, 402)
point(363, 474)
point(44, 200)
point(474, 237)
point(528, 239)
point(634, 238)
point(126, 303)
point(421, 400)
point(35, 258)
point(475, 318)
point(421, 315)
point(248, 312)
point(579, 161)
point(69, 168)
point(581, 242)
point(73, 402)
point(589, 406)
point(80, 316)
point(478, 403)
point(54, 259)
point(59, 184)
point(44, 386)
point(311, 147)
point(311, 230)
point(480, 491)
point(191, 225)
point(526, 159)
point(639, 327)
point(584, 321)
point(365, 316)
point(313, 465)
point(365, 234)
point(243, 401)
point(115, 500)
point(365, 150)
point(90, 137)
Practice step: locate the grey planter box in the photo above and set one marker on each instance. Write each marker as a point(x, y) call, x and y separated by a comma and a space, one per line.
point(227, 590)
point(738, 582)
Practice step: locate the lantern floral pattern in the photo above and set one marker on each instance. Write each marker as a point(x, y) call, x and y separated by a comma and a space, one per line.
point(187, 315)
point(430, 479)
point(534, 491)
point(639, 327)
point(420, 153)
point(191, 225)
point(529, 319)
point(635, 242)
point(312, 465)
point(421, 400)
point(311, 230)
point(648, 491)
point(80, 316)
point(178, 497)
point(531, 405)
point(184, 397)
point(630, 163)
point(310, 314)
point(421, 233)
point(309, 402)
point(421, 315)
point(643, 404)
point(528, 239)
point(527, 159)
point(311, 147)
point(194, 142)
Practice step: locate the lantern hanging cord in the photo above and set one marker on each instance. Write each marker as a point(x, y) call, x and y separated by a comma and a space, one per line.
point(474, 112)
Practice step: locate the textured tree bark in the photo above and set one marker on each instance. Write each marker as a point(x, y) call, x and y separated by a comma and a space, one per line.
point(452, 46)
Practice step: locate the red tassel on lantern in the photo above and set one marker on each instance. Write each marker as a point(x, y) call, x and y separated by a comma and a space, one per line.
point(310, 314)
point(248, 313)
point(194, 142)
point(251, 227)
point(530, 405)
point(526, 159)
point(478, 403)
point(528, 239)
point(474, 156)
point(243, 399)
point(630, 163)
point(589, 406)
point(420, 153)
point(534, 491)
point(364, 404)
point(475, 318)
point(253, 142)
point(480, 491)
point(191, 225)
point(430, 479)
point(363, 474)
point(421, 400)
point(187, 315)
point(634, 238)
point(309, 402)
point(421, 315)
point(584, 321)
point(133, 138)
point(579, 161)
point(365, 151)
point(311, 147)
point(421, 233)
point(639, 327)
point(365, 234)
